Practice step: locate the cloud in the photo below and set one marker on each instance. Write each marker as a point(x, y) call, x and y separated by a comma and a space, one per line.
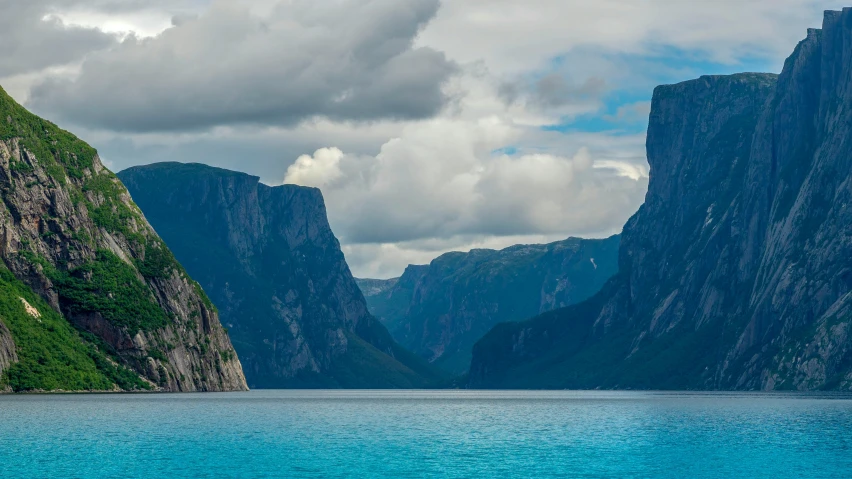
point(556, 90)
point(347, 60)
point(443, 178)
point(631, 113)
point(31, 41)
point(318, 170)
point(390, 259)
point(477, 124)
point(514, 38)
point(633, 171)
point(553, 91)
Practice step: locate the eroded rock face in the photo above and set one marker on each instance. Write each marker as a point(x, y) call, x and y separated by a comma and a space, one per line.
point(735, 273)
point(440, 310)
point(271, 263)
point(8, 356)
point(69, 231)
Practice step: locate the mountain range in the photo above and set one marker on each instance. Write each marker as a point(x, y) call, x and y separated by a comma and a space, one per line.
point(440, 310)
point(735, 274)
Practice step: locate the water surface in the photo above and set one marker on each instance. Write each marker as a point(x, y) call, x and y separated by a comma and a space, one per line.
point(400, 434)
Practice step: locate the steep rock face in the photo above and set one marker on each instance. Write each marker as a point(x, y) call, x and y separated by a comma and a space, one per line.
point(8, 354)
point(373, 288)
point(735, 273)
point(439, 311)
point(389, 299)
point(76, 251)
point(270, 261)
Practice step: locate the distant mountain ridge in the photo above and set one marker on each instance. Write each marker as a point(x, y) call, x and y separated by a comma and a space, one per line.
point(90, 297)
point(270, 262)
point(440, 310)
point(375, 287)
point(736, 273)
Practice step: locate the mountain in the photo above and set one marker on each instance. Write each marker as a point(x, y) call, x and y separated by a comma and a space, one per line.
point(269, 260)
point(736, 273)
point(389, 299)
point(90, 297)
point(439, 311)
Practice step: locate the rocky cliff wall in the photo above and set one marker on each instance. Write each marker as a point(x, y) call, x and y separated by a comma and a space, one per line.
point(270, 261)
point(734, 274)
point(71, 234)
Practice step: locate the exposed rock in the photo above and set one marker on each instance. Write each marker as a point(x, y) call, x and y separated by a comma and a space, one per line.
point(8, 356)
point(735, 273)
point(439, 311)
point(32, 311)
point(270, 261)
point(70, 232)
point(376, 287)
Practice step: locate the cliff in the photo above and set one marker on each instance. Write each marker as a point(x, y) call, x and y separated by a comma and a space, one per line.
point(735, 273)
point(90, 297)
point(439, 311)
point(269, 260)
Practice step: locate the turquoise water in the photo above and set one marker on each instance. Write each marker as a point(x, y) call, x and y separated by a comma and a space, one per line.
point(306, 434)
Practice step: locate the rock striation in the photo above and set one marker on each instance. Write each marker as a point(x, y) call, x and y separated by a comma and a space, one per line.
point(269, 260)
point(8, 351)
point(440, 310)
point(736, 272)
point(90, 297)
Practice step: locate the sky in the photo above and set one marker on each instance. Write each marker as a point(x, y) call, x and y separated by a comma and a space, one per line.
point(429, 125)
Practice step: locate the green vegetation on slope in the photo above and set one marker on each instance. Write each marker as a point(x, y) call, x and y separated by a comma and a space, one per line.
point(112, 214)
point(61, 153)
point(423, 374)
point(364, 366)
point(58, 150)
point(110, 287)
point(116, 216)
point(66, 242)
point(52, 354)
point(107, 284)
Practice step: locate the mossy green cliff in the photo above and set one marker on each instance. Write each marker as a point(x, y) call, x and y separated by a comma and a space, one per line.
point(90, 297)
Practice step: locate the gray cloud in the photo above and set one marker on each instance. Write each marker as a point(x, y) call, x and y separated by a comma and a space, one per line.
point(348, 61)
point(531, 194)
point(401, 191)
point(124, 6)
point(389, 260)
point(514, 37)
point(553, 90)
point(31, 42)
point(632, 113)
point(447, 178)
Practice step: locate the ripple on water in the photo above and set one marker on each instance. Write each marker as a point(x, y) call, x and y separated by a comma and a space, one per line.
point(400, 434)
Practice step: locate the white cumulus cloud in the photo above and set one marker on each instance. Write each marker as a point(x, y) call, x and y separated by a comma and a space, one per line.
point(319, 169)
point(450, 177)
